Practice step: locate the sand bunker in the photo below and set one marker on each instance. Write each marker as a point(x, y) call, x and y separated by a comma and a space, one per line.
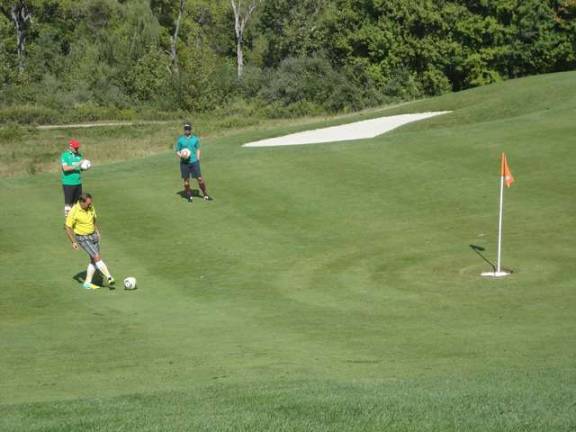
point(352, 131)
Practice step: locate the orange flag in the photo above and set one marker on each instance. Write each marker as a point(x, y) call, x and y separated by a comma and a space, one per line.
point(505, 171)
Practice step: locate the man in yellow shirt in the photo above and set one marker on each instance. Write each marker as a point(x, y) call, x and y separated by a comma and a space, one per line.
point(83, 233)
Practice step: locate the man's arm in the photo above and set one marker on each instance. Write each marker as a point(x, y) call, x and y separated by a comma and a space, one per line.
point(97, 230)
point(67, 166)
point(71, 236)
point(73, 167)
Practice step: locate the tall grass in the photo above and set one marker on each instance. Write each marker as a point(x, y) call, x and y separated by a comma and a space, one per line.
point(28, 150)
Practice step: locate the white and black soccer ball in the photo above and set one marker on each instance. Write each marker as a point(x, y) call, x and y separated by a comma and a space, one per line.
point(130, 283)
point(85, 165)
point(185, 153)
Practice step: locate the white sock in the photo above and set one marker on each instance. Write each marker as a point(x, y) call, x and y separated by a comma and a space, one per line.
point(90, 273)
point(102, 267)
point(67, 209)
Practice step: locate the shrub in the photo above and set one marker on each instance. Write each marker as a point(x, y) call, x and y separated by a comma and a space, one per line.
point(28, 115)
point(310, 85)
point(253, 81)
point(301, 79)
point(11, 132)
point(90, 112)
point(147, 78)
point(402, 84)
point(435, 83)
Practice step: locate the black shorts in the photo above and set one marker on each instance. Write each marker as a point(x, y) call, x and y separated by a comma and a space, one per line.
point(188, 170)
point(72, 194)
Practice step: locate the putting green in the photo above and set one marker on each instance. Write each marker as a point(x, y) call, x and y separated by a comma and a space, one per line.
point(328, 287)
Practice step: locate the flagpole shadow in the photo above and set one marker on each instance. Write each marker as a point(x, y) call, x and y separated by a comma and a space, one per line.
point(479, 250)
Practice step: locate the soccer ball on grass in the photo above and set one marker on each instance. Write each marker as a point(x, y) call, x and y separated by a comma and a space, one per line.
point(130, 283)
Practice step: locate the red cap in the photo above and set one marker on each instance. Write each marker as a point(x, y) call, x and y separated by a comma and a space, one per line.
point(74, 143)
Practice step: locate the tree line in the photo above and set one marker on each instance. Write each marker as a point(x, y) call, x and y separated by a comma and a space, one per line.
point(279, 57)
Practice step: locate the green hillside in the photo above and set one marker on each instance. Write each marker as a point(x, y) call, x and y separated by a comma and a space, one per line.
point(328, 287)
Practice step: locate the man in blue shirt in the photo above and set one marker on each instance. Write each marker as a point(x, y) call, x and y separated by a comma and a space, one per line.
point(188, 150)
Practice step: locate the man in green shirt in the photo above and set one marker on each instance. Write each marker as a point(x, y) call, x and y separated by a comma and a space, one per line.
point(70, 175)
point(188, 151)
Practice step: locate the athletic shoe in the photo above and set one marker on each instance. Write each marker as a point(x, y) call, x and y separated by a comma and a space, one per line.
point(190, 199)
point(90, 286)
point(208, 198)
point(110, 281)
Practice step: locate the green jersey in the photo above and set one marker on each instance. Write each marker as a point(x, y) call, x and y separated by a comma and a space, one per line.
point(191, 143)
point(71, 178)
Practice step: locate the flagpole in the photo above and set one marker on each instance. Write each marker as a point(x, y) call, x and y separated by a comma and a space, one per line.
point(500, 218)
point(505, 177)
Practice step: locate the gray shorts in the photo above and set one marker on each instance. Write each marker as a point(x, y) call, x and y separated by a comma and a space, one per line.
point(89, 243)
point(188, 170)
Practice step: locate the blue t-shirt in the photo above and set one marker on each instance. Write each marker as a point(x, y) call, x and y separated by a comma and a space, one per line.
point(191, 143)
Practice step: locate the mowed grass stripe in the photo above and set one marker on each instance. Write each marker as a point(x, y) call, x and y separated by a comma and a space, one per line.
point(525, 401)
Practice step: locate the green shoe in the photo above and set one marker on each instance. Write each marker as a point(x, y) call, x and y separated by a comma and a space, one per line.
point(111, 281)
point(89, 286)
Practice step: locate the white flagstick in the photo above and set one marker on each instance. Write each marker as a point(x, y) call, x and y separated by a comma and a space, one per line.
point(499, 272)
point(498, 266)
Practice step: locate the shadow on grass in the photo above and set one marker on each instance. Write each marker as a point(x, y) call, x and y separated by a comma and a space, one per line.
point(479, 250)
point(96, 280)
point(182, 194)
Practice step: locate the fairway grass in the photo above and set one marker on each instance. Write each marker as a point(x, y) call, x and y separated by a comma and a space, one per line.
point(327, 288)
point(525, 401)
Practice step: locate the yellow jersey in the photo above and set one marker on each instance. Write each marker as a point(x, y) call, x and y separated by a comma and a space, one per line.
point(80, 220)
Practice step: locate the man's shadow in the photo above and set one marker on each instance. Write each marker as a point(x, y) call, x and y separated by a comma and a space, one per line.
point(195, 193)
point(96, 280)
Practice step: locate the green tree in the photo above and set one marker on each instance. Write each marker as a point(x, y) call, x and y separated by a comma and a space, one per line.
point(19, 12)
point(291, 29)
point(242, 15)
